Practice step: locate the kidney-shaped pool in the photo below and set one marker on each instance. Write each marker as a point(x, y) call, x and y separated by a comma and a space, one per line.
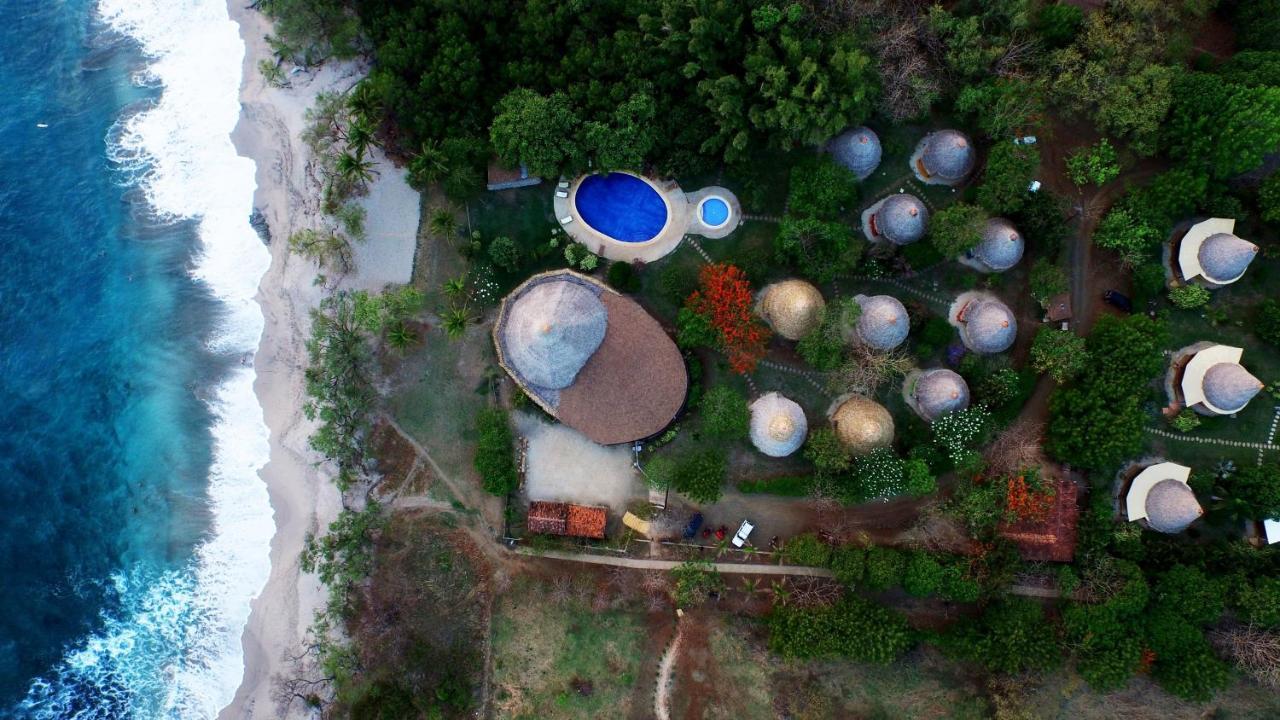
point(621, 206)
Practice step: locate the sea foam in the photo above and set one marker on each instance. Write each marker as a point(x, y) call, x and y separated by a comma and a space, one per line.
point(173, 647)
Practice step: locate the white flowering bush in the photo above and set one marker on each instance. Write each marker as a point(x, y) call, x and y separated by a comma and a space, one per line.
point(958, 433)
point(879, 474)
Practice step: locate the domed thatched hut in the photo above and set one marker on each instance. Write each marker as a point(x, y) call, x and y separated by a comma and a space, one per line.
point(944, 157)
point(934, 393)
point(590, 357)
point(1212, 254)
point(1001, 247)
point(987, 325)
point(883, 323)
point(778, 425)
point(1215, 383)
point(858, 150)
point(1160, 495)
point(862, 424)
point(793, 308)
point(901, 219)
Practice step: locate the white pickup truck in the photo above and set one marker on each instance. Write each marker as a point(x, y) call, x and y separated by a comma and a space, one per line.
point(740, 537)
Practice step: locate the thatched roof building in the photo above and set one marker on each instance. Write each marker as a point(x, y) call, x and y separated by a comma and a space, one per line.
point(1001, 247)
point(858, 150)
point(862, 424)
point(1215, 383)
point(937, 392)
point(793, 308)
point(987, 326)
point(1161, 496)
point(590, 357)
point(883, 323)
point(901, 219)
point(778, 425)
point(946, 155)
point(1211, 252)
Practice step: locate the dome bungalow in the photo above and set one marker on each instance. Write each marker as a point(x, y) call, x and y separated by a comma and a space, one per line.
point(901, 219)
point(1000, 249)
point(987, 325)
point(590, 357)
point(934, 393)
point(793, 308)
point(862, 424)
point(778, 425)
point(1215, 383)
point(883, 323)
point(945, 157)
point(1161, 496)
point(1212, 254)
point(858, 150)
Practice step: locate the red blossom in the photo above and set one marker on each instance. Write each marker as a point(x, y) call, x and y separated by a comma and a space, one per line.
point(724, 298)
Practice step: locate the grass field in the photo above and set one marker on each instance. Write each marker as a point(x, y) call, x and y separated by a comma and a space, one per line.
point(560, 660)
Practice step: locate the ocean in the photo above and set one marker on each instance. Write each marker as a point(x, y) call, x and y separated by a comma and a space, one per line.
point(135, 528)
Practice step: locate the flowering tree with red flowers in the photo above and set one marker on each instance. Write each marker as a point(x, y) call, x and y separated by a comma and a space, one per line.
point(724, 299)
point(1024, 502)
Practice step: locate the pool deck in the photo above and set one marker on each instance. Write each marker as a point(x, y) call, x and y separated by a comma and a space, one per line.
point(682, 219)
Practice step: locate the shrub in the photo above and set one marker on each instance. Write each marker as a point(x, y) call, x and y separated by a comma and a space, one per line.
point(1011, 636)
point(699, 475)
point(884, 567)
point(918, 479)
point(1267, 323)
point(923, 575)
point(822, 188)
point(1258, 600)
point(693, 581)
point(1185, 421)
point(1098, 164)
point(819, 249)
point(849, 562)
point(959, 432)
point(824, 449)
point(854, 628)
point(1189, 297)
point(878, 474)
point(495, 454)
point(1060, 353)
point(725, 415)
point(1190, 593)
point(1010, 170)
point(957, 228)
point(623, 277)
point(1184, 662)
point(504, 253)
point(1047, 280)
point(807, 549)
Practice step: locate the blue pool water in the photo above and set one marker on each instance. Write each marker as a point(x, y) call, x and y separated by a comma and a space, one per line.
point(622, 206)
point(715, 212)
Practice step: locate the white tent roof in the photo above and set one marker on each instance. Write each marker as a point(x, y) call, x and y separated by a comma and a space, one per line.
point(1271, 528)
point(1193, 374)
point(1189, 250)
point(1136, 501)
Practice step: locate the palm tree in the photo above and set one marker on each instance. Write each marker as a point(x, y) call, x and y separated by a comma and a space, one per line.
point(399, 336)
point(750, 585)
point(443, 223)
point(363, 101)
point(360, 137)
point(429, 166)
point(455, 287)
point(455, 322)
point(781, 593)
point(355, 169)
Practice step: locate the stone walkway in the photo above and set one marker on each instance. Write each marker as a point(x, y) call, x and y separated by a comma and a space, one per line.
point(812, 377)
point(697, 247)
point(1212, 441)
point(762, 218)
point(937, 300)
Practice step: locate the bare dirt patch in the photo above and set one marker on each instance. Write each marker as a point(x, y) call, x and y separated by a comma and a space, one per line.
point(564, 466)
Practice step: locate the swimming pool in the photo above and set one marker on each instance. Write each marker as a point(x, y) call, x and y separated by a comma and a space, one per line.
point(715, 212)
point(622, 206)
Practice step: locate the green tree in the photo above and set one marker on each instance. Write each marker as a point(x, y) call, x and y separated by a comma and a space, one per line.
point(700, 474)
point(819, 249)
point(1258, 600)
point(1047, 280)
point(343, 556)
point(957, 228)
point(1060, 353)
point(923, 575)
point(1058, 23)
point(1269, 198)
point(1185, 664)
point(1250, 492)
point(1190, 593)
point(824, 348)
point(495, 452)
point(822, 188)
point(1007, 177)
point(884, 568)
point(327, 248)
point(1267, 322)
point(536, 131)
point(807, 549)
point(828, 454)
point(339, 386)
point(918, 479)
point(376, 313)
point(504, 253)
point(1098, 164)
point(725, 415)
point(848, 562)
point(854, 628)
point(308, 32)
point(1129, 234)
point(1221, 128)
point(1004, 107)
point(1010, 636)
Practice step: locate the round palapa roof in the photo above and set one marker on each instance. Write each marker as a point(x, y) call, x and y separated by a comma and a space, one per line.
point(858, 150)
point(902, 218)
point(551, 329)
point(883, 323)
point(1229, 387)
point(989, 327)
point(939, 392)
point(1171, 506)
point(863, 425)
point(1001, 246)
point(949, 154)
point(1224, 257)
point(778, 425)
point(793, 308)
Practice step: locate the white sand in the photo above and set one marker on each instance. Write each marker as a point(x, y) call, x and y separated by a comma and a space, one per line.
point(302, 496)
point(564, 466)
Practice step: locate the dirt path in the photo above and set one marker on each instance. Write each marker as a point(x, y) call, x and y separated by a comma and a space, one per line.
point(662, 698)
point(647, 564)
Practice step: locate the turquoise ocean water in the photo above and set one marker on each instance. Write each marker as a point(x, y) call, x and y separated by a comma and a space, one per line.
point(134, 529)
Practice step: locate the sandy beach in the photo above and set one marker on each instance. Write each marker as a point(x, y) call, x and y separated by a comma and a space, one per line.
point(288, 196)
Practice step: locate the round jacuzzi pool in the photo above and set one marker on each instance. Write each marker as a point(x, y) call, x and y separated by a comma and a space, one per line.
point(714, 212)
point(621, 206)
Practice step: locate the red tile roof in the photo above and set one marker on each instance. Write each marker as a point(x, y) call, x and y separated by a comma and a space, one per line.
point(586, 521)
point(547, 517)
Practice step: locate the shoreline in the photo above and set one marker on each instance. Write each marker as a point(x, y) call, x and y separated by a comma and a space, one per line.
point(303, 499)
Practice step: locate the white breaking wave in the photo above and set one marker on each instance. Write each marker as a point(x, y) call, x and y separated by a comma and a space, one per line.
point(174, 651)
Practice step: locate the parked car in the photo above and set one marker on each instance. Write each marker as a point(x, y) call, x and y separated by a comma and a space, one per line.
point(691, 528)
point(1118, 300)
point(740, 538)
